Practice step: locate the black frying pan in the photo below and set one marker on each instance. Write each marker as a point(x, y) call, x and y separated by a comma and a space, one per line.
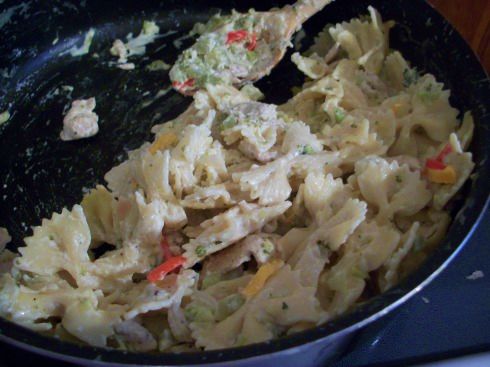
point(41, 174)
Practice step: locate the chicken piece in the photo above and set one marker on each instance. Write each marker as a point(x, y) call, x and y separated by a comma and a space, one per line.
point(80, 121)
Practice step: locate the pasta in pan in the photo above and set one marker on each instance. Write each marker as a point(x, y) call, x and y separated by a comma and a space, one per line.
point(244, 221)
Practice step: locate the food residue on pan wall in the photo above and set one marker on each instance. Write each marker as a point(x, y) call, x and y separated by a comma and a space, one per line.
point(85, 47)
point(6, 15)
point(134, 45)
point(4, 117)
point(158, 65)
point(477, 274)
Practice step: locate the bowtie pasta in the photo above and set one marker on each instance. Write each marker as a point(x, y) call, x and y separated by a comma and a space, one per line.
point(244, 221)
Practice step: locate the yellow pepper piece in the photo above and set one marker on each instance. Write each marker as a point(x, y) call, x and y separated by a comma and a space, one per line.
point(259, 279)
point(397, 109)
point(162, 142)
point(442, 176)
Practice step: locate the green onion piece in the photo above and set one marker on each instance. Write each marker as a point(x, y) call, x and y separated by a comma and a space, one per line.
point(339, 115)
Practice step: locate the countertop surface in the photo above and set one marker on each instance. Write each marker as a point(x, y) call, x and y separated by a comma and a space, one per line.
point(472, 19)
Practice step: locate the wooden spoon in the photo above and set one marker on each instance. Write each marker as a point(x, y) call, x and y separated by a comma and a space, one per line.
point(247, 52)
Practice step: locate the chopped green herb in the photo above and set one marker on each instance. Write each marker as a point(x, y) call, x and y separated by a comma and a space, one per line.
point(228, 122)
point(410, 76)
point(354, 126)
point(252, 56)
point(339, 115)
point(267, 247)
point(398, 178)
point(307, 149)
point(200, 313)
point(430, 93)
point(285, 306)
point(210, 280)
point(229, 305)
point(200, 251)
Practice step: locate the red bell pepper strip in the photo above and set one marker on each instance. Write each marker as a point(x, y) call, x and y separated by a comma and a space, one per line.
point(236, 36)
point(252, 43)
point(167, 254)
point(166, 267)
point(432, 163)
point(444, 152)
point(181, 85)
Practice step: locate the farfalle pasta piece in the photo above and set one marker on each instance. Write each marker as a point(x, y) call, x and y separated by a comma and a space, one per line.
point(366, 42)
point(97, 207)
point(465, 131)
point(353, 139)
point(298, 138)
point(119, 265)
point(332, 232)
point(193, 144)
point(324, 162)
point(211, 167)
point(395, 69)
point(256, 127)
point(430, 111)
point(313, 66)
point(324, 193)
point(208, 197)
point(147, 297)
point(281, 303)
point(388, 277)
point(367, 249)
point(229, 227)
point(84, 320)
point(142, 170)
point(60, 243)
point(268, 183)
point(391, 188)
point(32, 307)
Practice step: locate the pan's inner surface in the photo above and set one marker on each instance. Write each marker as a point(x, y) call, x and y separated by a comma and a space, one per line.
point(42, 174)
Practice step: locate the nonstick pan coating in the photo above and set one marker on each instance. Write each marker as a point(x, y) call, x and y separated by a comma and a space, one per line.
point(41, 174)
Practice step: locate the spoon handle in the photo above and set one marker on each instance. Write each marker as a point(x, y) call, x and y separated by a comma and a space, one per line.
point(304, 9)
